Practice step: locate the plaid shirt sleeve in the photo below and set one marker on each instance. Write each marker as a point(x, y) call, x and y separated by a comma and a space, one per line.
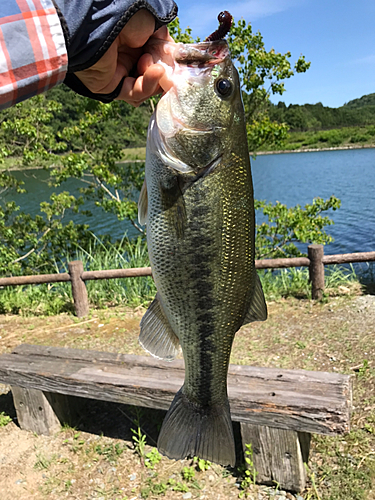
point(33, 55)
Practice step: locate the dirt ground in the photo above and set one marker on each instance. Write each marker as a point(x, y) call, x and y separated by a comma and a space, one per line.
point(97, 460)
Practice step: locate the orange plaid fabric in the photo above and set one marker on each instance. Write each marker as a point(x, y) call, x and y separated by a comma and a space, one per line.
point(33, 55)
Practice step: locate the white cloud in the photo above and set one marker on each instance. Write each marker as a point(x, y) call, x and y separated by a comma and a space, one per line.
point(364, 60)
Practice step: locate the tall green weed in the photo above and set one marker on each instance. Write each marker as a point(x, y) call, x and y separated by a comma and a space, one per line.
point(53, 298)
point(294, 282)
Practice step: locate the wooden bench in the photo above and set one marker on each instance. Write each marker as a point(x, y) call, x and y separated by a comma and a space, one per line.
point(278, 410)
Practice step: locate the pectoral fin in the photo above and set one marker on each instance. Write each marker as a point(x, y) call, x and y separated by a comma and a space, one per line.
point(143, 205)
point(178, 213)
point(157, 336)
point(173, 202)
point(258, 308)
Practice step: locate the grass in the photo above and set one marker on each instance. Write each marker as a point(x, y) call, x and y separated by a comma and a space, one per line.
point(54, 298)
point(112, 457)
point(335, 335)
point(14, 163)
point(126, 254)
point(134, 153)
point(43, 462)
point(294, 282)
point(348, 467)
point(342, 137)
point(4, 419)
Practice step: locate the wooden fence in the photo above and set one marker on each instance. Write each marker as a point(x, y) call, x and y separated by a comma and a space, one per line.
point(315, 261)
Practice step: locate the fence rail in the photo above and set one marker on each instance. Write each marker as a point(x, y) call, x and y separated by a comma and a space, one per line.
point(315, 261)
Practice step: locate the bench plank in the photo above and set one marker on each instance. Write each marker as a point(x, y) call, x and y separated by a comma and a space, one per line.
point(298, 400)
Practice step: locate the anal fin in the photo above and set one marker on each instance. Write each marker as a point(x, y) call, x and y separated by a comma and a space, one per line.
point(258, 307)
point(157, 336)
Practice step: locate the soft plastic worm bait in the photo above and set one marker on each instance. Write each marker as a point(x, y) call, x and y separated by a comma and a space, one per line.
point(225, 22)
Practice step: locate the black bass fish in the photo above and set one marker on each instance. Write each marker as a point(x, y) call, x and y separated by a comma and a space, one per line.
point(197, 203)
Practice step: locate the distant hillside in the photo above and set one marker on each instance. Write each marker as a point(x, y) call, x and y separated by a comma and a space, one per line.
point(128, 128)
point(358, 112)
point(365, 100)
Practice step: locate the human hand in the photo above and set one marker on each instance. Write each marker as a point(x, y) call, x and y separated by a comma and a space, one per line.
point(125, 54)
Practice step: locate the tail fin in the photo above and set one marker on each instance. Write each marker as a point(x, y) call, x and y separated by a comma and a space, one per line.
point(189, 431)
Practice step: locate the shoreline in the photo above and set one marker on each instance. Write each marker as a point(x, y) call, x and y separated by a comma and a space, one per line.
point(259, 153)
point(314, 150)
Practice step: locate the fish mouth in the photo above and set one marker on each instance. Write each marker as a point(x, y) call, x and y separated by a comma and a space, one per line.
point(203, 63)
point(202, 53)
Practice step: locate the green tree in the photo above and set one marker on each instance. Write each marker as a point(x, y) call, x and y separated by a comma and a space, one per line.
point(285, 227)
point(179, 35)
point(33, 245)
point(26, 137)
point(262, 73)
point(114, 186)
point(86, 149)
point(29, 138)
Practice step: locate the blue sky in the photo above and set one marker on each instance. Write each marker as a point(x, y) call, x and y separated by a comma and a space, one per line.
point(337, 36)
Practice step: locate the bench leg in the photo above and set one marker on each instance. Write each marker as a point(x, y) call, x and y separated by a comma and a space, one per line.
point(38, 411)
point(278, 455)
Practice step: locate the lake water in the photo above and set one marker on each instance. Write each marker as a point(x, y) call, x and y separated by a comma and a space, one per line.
point(296, 178)
point(292, 179)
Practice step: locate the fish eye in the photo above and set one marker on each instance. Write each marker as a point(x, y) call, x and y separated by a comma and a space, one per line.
point(223, 87)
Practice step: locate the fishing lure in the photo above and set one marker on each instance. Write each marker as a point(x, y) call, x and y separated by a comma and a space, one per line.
point(225, 23)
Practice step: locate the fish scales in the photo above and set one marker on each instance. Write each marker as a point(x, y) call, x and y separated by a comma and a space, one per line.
point(200, 233)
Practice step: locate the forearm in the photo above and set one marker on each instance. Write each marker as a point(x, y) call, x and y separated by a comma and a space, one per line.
point(43, 45)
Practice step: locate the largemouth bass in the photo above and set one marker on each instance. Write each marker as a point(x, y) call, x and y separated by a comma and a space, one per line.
point(197, 203)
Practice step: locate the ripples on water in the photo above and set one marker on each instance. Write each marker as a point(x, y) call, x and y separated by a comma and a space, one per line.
point(292, 179)
point(297, 178)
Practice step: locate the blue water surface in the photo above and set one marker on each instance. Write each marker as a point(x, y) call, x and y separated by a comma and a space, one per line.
point(293, 178)
point(297, 178)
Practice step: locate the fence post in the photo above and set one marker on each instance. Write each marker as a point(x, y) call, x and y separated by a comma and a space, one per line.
point(316, 270)
point(79, 291)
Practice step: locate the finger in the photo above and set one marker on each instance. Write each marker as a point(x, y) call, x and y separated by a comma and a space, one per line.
point(165, 81)
point(136, 103)
point(149, 81)
point(137, 90)
point(133, 99)
point(145, 61)
point(163, 34)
